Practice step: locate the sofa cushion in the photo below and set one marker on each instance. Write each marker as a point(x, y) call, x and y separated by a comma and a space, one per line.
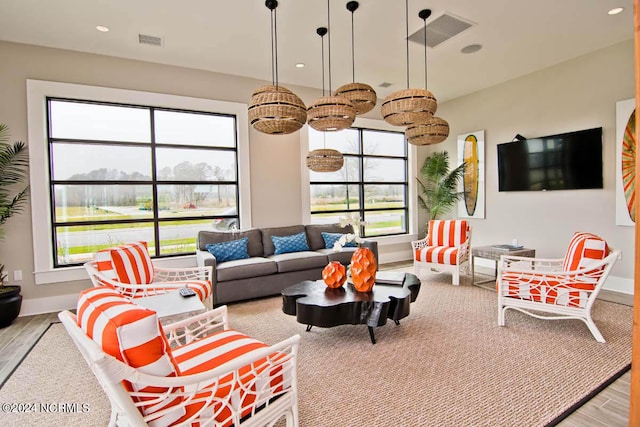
point(450, 232)
point(245, 268)
point(229, 251)
point(269, 248)
point(132, 263)
point(330, 240)
point(585, 249)
point(314, 233)
point(299, 261)
point(133, 335)
point(289, 244)
point(254, 245)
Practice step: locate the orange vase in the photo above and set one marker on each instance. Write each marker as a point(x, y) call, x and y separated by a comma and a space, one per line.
point(363, 269)
point(334, 274)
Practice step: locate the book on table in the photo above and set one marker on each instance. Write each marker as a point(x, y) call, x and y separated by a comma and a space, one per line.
point(389, 278)
point(508, 247)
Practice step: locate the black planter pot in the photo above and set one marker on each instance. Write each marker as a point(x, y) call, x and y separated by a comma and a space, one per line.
point(10, 303)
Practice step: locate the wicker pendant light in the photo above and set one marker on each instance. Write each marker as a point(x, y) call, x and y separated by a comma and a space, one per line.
point(435, 129)
point(330, 113)
point(361, 95)
point(324, 159)
point(274, 109)
point(408, 106)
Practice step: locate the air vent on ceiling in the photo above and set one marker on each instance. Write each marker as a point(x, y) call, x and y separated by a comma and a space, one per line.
point(150, 40)
point(440, 29)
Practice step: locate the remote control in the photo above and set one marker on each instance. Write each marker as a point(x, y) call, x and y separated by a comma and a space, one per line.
point(186, 292)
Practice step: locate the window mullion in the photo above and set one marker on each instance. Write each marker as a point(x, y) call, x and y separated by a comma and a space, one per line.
point(154, 185)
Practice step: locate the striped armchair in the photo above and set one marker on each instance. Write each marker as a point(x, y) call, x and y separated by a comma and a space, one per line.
point(445, 248)
point(196, 372)
point(555, 289)
point(129, 270)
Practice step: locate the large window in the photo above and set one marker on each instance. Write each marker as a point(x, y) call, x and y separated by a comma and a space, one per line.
point(372, 184)
point(121, 173)
point(111, 165)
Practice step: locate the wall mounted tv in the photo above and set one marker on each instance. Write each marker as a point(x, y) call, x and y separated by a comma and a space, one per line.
point(567, 161)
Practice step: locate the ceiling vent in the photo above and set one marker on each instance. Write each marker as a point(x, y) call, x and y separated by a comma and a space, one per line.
point(150, 40)
point(440, 29)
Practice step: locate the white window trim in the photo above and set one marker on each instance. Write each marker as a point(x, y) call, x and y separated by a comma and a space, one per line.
point(412, 171)
point(38, 91)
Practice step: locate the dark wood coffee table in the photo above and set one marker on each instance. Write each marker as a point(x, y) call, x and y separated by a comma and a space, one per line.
point(314, 304)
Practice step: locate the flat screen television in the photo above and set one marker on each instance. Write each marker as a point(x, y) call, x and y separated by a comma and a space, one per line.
point(568, 161)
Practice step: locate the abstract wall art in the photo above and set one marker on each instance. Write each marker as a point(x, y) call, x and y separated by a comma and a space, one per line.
point(625, 162)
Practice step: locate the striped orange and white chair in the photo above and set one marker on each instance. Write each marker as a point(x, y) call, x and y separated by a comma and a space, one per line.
point(128, 269)
point(564, 288)
point(445, 248)
point(201, 373)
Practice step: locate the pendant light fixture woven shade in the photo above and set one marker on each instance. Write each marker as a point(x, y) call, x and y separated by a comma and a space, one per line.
point(274, 109)
point(362, 96)
point(408, 107)
point(325, 160)
point(330, 113)
point(434, 131)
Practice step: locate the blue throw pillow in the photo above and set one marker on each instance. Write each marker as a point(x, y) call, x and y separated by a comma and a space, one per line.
point(293, 243)
point(229, 251)
point(330, 239)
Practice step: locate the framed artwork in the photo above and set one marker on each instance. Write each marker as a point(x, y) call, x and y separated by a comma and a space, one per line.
point(625, 162)
point(471, 151)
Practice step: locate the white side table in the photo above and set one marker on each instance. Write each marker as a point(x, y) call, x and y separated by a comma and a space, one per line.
point(172, 307)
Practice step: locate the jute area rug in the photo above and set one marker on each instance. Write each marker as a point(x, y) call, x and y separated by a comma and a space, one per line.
point(447, 364)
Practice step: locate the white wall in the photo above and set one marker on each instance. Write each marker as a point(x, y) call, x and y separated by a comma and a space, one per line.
point(577, 94)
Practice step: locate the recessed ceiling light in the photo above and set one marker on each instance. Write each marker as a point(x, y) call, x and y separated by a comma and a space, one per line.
point(299, 65)
point(615, 11)
point(471, 48)
point(102, 28)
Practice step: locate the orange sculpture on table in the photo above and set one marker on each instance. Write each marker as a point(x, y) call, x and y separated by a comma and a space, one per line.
point(363, 269)
point(334, 274)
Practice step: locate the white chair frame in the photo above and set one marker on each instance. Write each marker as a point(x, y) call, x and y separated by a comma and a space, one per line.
point(270, 405)
point(464, 250)
point(163, 281)
point(535, 272)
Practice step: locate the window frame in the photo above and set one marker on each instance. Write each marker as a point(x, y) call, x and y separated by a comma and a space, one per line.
point(411, 189)
point(38, 93)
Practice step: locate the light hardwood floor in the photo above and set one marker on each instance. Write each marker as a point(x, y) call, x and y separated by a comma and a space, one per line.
point(609, 408)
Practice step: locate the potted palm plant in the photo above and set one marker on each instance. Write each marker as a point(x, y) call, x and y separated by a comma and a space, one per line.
point(14, 162)
point(439, 185)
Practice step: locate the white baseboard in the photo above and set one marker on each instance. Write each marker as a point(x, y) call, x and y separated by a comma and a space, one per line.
point(44, 305)
point(395, 256)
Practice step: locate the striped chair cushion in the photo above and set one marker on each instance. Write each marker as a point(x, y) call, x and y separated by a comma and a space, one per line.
point(584, 250)
point(438, 254)
point(132, 263)
point(538, 287)
point(209, 353)
point(447, 232)
point(133, 335)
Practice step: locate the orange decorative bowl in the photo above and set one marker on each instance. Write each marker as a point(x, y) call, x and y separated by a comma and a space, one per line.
point(334, 274)
point(363, 269)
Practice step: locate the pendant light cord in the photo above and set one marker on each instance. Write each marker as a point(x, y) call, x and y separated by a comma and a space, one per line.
point(273, 73)
point(406, 17)
point(275, 33)
point(353, 61)
point(425, 54)
point(322, 38)
point(329, 42)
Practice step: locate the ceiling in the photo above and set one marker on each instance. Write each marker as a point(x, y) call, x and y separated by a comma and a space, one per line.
point(233, 37)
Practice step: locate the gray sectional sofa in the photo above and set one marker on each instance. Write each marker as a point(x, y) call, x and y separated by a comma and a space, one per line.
point(264, 273)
